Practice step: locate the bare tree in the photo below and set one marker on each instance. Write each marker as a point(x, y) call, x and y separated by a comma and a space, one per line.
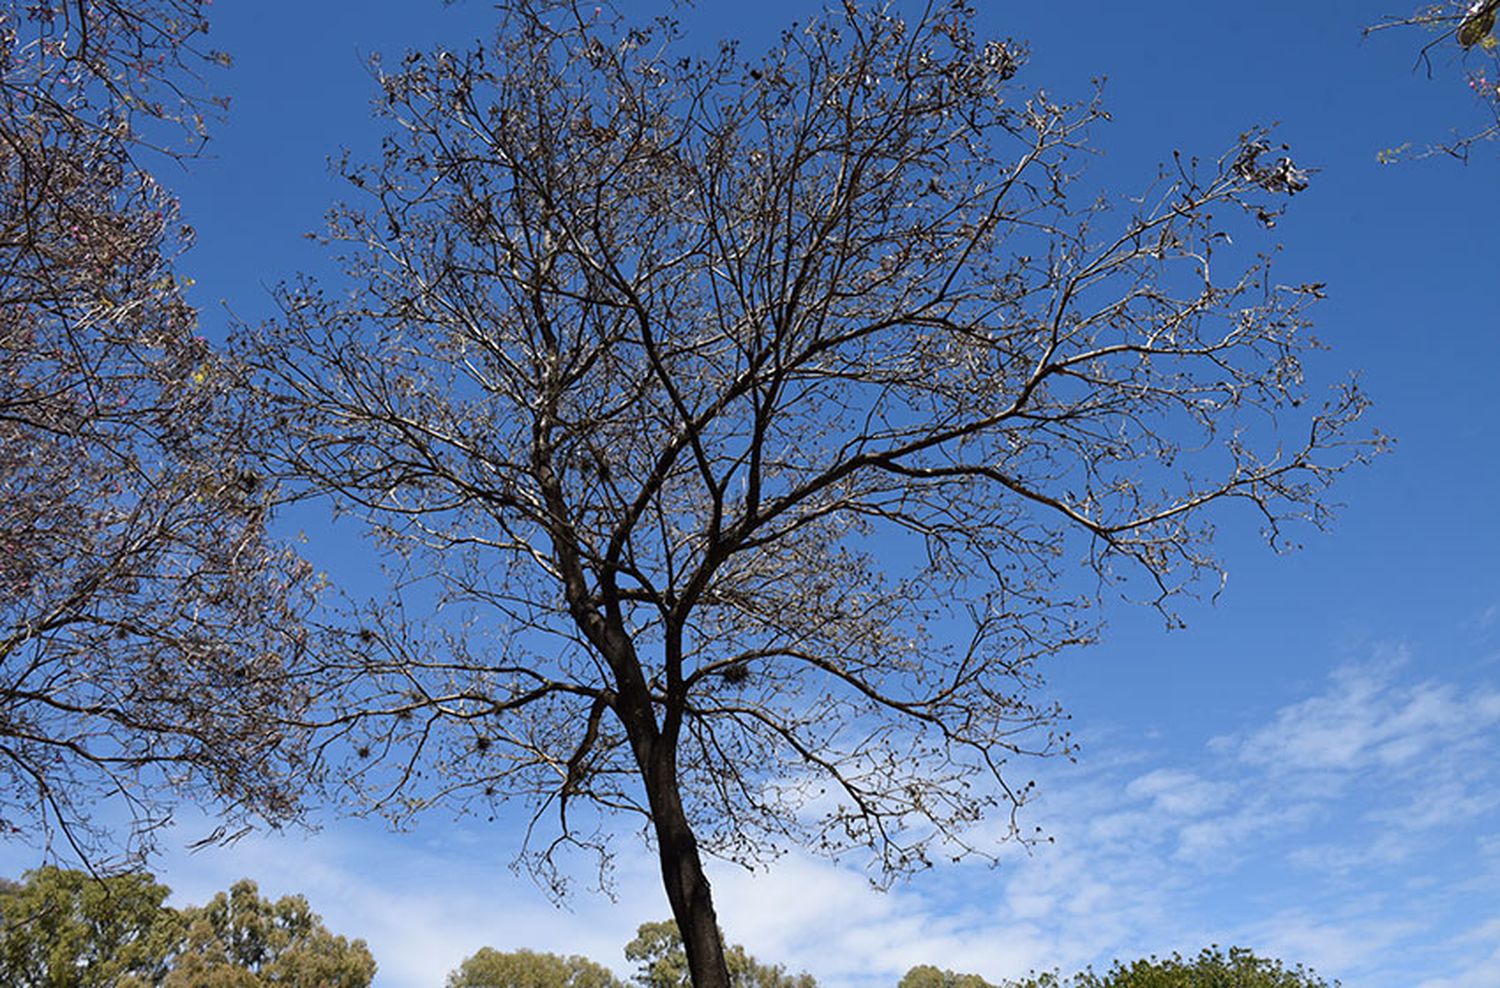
point(700, 401)
point(1461, 34)
point(146, 622)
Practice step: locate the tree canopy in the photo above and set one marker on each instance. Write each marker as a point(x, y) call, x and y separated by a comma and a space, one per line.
point(1212, 968)
point(930, 976)
point(68, 929)
point(661, 962)
point(63, 928)
point(707, 396)
point(243, 940)
point(657, 951)
point(490, 968)
point(146, 619)
point(697, 400)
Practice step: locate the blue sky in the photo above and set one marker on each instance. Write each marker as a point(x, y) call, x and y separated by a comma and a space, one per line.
point(1311, 768)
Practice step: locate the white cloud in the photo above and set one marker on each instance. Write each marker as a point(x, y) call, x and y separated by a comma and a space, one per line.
point(1349, 803)
point(1174, 792)
point(1328, 945)
point(1478, 948)
point(1351, 830)
point(1368, 719)
point(422, 908)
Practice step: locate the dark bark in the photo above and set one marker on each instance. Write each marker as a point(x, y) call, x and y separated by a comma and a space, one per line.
point(655, 749)
point(682, 872)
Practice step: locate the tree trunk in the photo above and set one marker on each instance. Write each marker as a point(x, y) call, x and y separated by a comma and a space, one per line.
point(655, 752)
point(682, 873)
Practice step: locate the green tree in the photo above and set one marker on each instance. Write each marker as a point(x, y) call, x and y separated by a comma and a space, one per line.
point(67, 929)
point(928, 976)
point(243, 940)
point(61, 928)
point(662, 962)
point(490, 968)
point(1212, 968)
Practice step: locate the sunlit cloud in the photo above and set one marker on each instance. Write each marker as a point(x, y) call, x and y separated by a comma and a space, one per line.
point(1351, 829)
point(1367, 719)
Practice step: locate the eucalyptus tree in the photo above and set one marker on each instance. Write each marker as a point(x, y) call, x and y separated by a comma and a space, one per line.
point(661, 962)
point(60, 927)
point(931, 976)
point(744, 431)
point(491, 968)
point(63, 928)
point(240, 939)
point(1213, 967)
point(145, 619)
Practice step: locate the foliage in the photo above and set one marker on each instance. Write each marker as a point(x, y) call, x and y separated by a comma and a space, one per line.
point(928, 976)
point(709, 397)
point(145, 619)
point(657, 950)
point(490, 968)
point(1212, 968)
point(662, 962)
point(68, 929)
point(242, 940)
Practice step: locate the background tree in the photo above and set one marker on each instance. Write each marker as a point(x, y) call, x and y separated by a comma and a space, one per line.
point(62, 928)
point(928, 976)
point(145, 619)
point(490, 968)
point(749, 430)
point(243, 940)
point(67, 929)
point(1212, 968)
point(661, 962)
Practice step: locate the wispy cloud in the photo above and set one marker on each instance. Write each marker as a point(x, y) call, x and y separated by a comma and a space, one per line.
point(1477, 949)
point(1368, 720)
point(1352, 829)
point(1345, 830)
point(423, 906)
